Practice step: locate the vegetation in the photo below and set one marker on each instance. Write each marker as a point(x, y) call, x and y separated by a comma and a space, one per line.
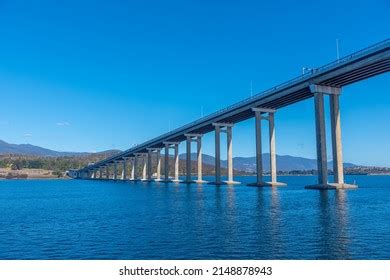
point(59, 165)
point(356, 170)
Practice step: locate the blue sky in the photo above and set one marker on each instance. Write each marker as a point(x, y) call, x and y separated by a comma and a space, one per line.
point(96, 75)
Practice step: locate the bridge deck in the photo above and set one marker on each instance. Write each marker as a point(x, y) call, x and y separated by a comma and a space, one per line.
point(361, 65)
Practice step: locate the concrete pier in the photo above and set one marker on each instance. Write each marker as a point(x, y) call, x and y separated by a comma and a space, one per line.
point(115, 176)
point(199, 159)
point(135, 168)
point(217, 155)
point(150, 171)
point(227, 128)
point(175, 147)
point(272, 146)
point(322, 163)
point(124, 169)
point(93, 176)
point(137, 158)
point(107, 172)
point(101, 172)
point(197, 138)
point(338, 167)
point(166, 162)
point(229, 138)
point(133, 163)
point(158, 171)
point(188, 159)
point(144, 166)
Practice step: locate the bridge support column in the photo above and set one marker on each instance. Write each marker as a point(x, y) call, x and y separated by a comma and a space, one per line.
point(188, 160)
point(176, 148)
point(100, 173)
point(272, 146)
point(150, 171)
point(132, 161)
point(166, 162)
point(107, 172)
point(136, 175)
point(135, 168)
point(229, 138)
point(338, 168)
point(193, 137)
point(158, 154)
point(228, 129)
point(124, 169)
point(199, 158)
point(144, 166)
point(322, 163)
point(115, 171)
point(218, 155)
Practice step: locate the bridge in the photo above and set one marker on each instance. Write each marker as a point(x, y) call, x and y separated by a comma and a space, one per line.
point(318, 83)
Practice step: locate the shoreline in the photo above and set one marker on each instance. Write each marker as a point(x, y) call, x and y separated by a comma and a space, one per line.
point(29, 174)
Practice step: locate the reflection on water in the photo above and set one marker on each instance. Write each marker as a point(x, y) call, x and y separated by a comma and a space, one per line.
point(112, 220)
point(342, 230)
point(333, 225)
point(275, 222)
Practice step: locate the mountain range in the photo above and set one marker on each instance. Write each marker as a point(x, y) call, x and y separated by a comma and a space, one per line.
point(284, 162)
point(31, 150)
point(248, 164)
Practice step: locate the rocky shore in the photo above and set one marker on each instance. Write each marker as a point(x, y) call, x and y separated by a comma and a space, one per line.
point(7, 173)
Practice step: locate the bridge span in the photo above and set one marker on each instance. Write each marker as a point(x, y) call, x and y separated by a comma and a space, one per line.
point(327, 80)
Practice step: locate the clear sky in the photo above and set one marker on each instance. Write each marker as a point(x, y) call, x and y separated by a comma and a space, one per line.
point(96, 75)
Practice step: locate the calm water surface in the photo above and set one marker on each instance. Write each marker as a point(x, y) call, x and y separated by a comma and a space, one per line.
point(73, 219)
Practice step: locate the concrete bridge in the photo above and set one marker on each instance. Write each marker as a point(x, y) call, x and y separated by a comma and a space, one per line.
point(325, 81)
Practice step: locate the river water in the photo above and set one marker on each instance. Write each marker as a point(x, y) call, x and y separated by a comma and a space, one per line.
point(85, 219)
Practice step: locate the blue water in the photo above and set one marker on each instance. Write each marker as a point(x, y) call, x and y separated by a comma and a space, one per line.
point(75, 219)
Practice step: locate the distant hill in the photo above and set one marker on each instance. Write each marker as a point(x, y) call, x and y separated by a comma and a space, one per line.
point(247, 164)
point(284, 163)
point(31, 150)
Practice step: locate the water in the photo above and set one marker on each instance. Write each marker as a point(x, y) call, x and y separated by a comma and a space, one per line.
point(75, 219)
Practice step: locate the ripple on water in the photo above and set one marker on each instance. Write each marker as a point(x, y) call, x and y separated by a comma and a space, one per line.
point(107, 220)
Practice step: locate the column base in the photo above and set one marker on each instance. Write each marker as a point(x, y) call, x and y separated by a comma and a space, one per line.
point(232, 183)
point(331, 186)
point(176, 181)
point(224, 183)
point(187, 182)
point(267, 184)
point(194, 182)
point(200, 182)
